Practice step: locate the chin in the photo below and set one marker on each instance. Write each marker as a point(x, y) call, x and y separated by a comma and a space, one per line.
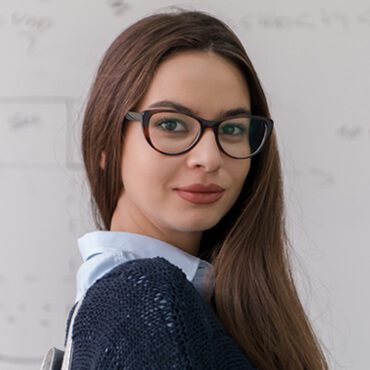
point(194, 226)
point(196, 220)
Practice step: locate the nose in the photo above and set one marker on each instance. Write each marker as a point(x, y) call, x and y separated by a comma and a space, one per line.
point(206, 153)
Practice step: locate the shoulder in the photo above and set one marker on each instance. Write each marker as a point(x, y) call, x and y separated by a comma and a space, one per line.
point(124, 311)
point(133, 288)
point(146, 314)
point(139, 276)
point(157, 267)
point(143, 287)
point(142, 280)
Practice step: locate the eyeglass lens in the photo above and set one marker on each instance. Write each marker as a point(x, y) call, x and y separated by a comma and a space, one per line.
point(173, 132)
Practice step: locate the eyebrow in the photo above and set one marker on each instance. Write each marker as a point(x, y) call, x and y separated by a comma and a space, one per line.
point(184, 109)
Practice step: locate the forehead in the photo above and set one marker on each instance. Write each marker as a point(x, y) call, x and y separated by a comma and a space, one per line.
point(205, 82)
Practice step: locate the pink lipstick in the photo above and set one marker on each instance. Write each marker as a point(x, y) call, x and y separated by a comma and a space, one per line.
point(201, 193)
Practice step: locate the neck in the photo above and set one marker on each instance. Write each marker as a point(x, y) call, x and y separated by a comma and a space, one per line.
point(125, 220)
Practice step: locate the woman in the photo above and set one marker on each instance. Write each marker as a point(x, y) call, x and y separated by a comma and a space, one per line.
point(164, 153)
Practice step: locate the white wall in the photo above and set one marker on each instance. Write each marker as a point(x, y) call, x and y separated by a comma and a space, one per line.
point(313, 59)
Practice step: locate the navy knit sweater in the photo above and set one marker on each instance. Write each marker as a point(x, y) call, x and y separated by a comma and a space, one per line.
point(145, 314)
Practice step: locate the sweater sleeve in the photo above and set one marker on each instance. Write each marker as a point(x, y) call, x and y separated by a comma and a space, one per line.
point(145, 314)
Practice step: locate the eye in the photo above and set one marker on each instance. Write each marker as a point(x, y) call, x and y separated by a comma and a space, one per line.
point(171, 125)
point(233, 129)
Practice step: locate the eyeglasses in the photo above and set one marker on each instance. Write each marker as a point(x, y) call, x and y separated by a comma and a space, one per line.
point(173, 132)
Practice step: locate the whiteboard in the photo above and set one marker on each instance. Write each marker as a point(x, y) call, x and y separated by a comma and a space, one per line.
point(313, 59)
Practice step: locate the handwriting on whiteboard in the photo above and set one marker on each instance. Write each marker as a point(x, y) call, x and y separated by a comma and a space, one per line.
point(353, 131)
point(39, 132)
point(305, 19)
point(118, 7)
point(27, 26)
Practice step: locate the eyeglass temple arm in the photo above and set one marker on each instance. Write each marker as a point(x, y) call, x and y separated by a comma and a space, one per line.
point(134, 116)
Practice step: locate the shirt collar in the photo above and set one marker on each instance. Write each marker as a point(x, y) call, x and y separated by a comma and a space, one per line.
point(123, 246)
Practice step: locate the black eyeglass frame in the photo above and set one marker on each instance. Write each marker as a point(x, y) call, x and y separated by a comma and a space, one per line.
point(144, 118)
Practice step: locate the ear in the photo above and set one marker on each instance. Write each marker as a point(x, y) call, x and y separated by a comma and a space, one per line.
point(102, 160)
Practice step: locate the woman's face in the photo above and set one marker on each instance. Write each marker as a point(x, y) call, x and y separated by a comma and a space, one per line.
point(207, 84)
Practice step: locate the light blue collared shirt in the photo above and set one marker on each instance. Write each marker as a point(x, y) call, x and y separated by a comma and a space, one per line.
point(102, 251)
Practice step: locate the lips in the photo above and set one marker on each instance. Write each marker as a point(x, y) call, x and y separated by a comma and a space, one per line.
point(202, 188)
point(200, 193)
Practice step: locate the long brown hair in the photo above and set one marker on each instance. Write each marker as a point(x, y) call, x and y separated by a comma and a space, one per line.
point(255, 297)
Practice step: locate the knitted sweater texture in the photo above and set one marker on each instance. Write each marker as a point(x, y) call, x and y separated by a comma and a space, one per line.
point(145, 314)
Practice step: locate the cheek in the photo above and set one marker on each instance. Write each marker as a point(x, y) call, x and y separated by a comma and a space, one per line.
point(146, 172)
point(239, 176)
point(136, 161)
point(240, 172)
